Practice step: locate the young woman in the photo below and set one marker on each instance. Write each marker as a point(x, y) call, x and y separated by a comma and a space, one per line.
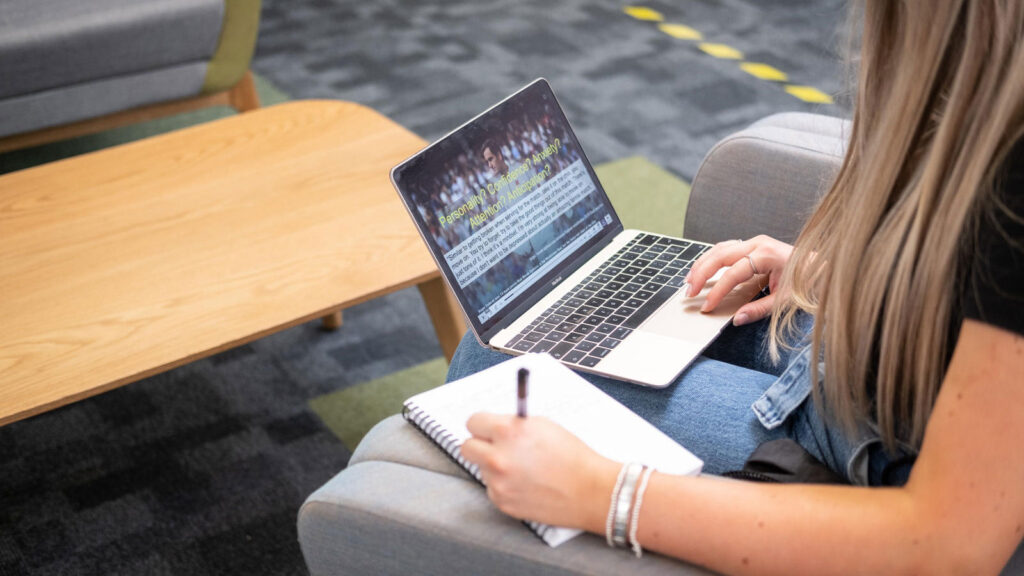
point(912, 269)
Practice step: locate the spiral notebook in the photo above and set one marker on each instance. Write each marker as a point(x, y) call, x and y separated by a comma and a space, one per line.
point(559, 394)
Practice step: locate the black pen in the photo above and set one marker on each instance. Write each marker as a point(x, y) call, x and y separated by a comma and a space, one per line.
point(523, 375)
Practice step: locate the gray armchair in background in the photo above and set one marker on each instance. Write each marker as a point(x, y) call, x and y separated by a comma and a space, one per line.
point(402, 507)
point(74, 67)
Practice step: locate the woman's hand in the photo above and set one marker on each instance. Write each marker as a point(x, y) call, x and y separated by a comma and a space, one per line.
point(760, 256)
point(536, 470)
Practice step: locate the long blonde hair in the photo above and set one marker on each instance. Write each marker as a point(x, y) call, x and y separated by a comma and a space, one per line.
point(939, 103)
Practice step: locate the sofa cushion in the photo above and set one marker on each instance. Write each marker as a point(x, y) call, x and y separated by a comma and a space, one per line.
point(55, 43)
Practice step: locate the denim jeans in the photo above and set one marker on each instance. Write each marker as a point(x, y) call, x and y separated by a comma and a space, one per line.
point(730, 400)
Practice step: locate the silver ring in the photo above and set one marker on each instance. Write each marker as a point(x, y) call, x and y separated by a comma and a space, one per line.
point(752, 267)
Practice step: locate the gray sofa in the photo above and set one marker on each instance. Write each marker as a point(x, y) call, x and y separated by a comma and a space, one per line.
point(64, 63)
point(402, 507)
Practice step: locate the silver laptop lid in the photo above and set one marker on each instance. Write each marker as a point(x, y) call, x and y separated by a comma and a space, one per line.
point(508, 205)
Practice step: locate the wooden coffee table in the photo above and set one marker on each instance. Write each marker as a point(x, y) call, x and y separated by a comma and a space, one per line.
point(129, 261)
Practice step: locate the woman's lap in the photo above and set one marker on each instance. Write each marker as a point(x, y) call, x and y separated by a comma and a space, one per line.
point(707, 409)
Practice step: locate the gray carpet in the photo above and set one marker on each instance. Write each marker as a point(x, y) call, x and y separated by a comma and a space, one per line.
point(201, 470)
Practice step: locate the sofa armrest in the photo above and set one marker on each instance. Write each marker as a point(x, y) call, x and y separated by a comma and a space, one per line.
point(400, 509)
point(765, 179)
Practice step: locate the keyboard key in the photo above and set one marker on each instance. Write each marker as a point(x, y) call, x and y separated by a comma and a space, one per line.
point(574, 356)
point(634, 303)
point(664, 240)
point(605, 294)
point(665, 257)
point(565, 327)
point(534, 336)
point(634, 270)
point(584, 294)
point(594, 337)
point(646, 239)
point(603, 311)
point(523, 346)
point(691, 252)
point(674, 249)
point(625, 311)
point(613, 303)
point(644, 294)
point(677, 282)
point(587, 346)
point(647, 309)
point(595, 302)
point(621, 333)
point(593, 287)
point(574, 337)
point(648, 272)
point(629, 256)
point(613, 270)
point(602, 278)
point(605, 329)
point(641, 263)
point(652, 287)
point(555, 319)
point(612, 286)
point(565, 310)
point(615, 319)
point(555, 335)
point(593, 321)
point(658, 264)
point(623, 278)
point(659, 249)
point(543, 346)
point(585, 310)
point(671, 271)
point(632, 287)
point(589, 362)
point(545, 327)
point(600, 352)
point(623, 295)
point(661, 278)
point(574, 302)
point(575, 318)
point(584, 328)
point(561, 350)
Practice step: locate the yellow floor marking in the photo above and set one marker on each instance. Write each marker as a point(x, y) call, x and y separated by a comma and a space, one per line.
point(721, 51)
point(680, 31)
point(643, 13)
point(764, 72)
point(809, 94)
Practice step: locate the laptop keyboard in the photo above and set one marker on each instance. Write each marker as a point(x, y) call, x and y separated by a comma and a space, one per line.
point(588, 322)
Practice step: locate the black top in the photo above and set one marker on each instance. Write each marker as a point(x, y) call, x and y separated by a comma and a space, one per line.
point(992, 289)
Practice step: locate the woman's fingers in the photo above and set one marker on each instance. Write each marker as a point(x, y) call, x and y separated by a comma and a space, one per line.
point(720, 255)
point(754, 311)
point(735, 275)
point(486, 426)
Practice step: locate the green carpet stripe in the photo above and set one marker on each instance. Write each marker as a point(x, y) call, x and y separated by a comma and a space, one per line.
point(350, 413)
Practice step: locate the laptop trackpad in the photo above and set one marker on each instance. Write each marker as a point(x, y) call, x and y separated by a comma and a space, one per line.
point(681, 317)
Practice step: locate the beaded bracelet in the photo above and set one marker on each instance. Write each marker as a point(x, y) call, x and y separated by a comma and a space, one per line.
point(612, 506)
point(635, 521)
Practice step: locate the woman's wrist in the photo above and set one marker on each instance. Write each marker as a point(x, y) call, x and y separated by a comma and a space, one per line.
point(596, 489)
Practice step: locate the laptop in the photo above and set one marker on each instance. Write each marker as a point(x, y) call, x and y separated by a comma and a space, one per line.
point(529, 244)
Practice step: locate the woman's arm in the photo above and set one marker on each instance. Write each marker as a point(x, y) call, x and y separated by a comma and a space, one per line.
point(962, 510)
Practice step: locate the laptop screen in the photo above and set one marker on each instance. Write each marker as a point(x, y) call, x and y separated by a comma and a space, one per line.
point(506, 202)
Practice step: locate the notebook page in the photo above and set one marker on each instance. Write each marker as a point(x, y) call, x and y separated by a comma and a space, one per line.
point(558, 393)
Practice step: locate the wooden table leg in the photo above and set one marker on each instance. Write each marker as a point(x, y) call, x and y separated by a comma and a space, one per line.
point(445, 313)
point(332, 321)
